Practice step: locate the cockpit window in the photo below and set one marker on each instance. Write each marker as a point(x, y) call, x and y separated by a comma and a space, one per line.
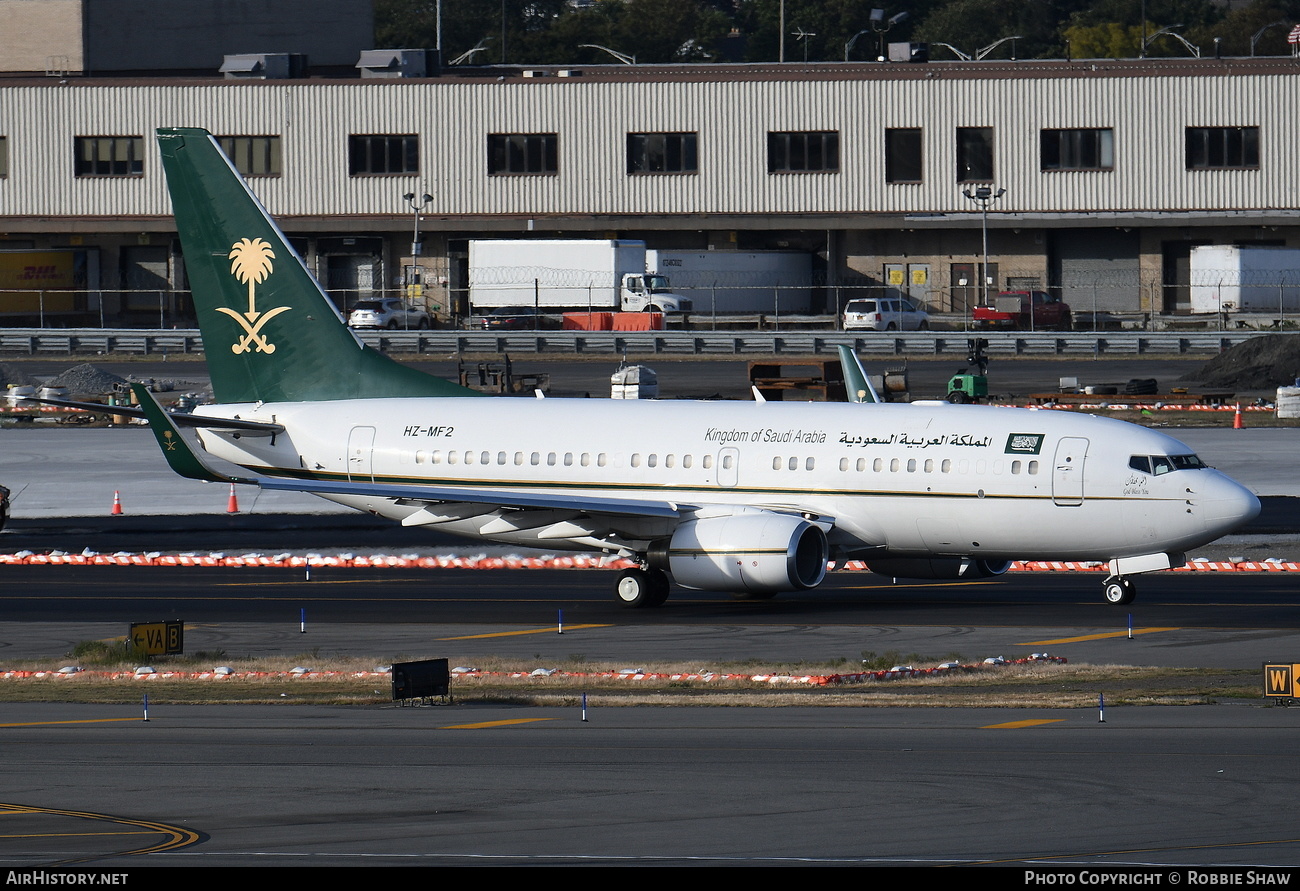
point(1161, 464)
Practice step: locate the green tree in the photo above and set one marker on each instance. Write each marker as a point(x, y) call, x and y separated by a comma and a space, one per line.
point(1110, 40)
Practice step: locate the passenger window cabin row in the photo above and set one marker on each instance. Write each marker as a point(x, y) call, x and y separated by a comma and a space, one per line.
point(706, 462)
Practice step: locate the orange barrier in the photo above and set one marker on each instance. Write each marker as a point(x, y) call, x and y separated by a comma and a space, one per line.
point(638, 321)
point(588, 321)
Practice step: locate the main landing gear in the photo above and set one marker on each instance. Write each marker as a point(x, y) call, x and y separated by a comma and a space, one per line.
point(637, 588)
point(1119, 590)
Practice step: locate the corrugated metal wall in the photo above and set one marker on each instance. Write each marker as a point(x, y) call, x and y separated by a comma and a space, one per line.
point(1149, 115)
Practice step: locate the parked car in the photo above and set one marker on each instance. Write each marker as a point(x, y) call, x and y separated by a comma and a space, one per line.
point(515, 318)
point(1011, 310)
point(388, 312)
point(884, 314)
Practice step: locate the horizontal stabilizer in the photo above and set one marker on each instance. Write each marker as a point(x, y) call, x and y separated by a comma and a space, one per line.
point(182, 419)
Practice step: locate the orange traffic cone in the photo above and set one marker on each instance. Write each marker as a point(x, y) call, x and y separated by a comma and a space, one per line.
point(117, 504)
point(232, 503)
point(1236, 419)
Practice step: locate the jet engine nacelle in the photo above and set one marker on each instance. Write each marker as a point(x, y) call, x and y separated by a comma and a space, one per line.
point(757, 552)
point(938, 567)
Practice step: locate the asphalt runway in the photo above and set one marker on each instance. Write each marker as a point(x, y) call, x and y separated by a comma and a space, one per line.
point(1218, 620)
point(495, 786)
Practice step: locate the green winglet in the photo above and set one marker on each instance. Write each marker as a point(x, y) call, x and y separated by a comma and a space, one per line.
point(180, 457)
point(855, 378)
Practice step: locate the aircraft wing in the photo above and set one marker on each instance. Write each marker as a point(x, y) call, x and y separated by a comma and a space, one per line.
point(185, 461)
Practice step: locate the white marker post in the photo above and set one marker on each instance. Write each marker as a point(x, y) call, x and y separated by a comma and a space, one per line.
point(584, 708)
point(1101, 708)
point(302, 620)
point(559, 621)
point(146, 708)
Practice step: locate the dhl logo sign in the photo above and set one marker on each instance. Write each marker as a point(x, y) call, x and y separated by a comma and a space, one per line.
point(1280, 680)
point(40, 273)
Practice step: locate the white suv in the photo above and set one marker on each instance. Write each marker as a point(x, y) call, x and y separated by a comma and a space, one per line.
point(884, 314)
point(388, 312)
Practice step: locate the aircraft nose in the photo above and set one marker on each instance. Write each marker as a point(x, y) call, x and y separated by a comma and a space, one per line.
point(1228, 504)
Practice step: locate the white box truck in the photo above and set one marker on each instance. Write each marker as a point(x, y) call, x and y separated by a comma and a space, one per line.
point(1227, 278)
point(739, 281)
point(567, 274)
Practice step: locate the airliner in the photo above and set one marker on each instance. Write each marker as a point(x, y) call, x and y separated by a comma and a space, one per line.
point(751, 498)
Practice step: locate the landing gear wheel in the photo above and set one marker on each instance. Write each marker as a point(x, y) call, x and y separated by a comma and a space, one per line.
point(1119, 590)
point(639, 588)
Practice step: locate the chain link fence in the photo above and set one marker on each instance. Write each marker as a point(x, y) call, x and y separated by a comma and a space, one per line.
point(1103, 302)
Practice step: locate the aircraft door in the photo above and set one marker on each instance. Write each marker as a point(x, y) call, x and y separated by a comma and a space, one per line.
point(728, 468)
point(361, 447)
point(1067, 471)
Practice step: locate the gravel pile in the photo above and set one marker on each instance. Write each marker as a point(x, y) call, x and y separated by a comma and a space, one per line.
point(1260, 363)
point(87, 380)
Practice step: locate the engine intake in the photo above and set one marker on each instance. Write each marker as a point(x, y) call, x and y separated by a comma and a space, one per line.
point(760, 551)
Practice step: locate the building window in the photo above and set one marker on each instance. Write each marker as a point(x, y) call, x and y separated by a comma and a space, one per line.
point(903, 155)
point(109, 156)
point(1078, 149)
point(662, 153)
point(974, 154)
point(383, 155)
point(1210, 148)
point(252, 155)
point(811, 152)
point(523, 153)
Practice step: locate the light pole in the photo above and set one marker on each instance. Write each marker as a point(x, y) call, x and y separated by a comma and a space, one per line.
point(848, 47)
point(984, 196)
point(622, 57)
point(882, 27)
point(413, 273)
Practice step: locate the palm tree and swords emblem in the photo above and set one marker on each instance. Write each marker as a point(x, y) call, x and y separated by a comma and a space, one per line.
point(250, 263)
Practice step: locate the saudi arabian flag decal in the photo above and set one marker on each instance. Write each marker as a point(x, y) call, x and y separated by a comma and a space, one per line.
point(1024, 444)
point(250, 263)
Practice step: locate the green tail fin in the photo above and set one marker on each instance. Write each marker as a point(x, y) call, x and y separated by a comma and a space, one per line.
point(269, 331)
point(855, 377)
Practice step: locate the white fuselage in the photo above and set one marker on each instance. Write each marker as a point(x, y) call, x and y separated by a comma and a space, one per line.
point(909, 479)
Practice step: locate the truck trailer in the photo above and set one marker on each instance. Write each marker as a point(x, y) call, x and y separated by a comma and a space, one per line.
point(568, 274)
point(1230, 279)
point(739, 281)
